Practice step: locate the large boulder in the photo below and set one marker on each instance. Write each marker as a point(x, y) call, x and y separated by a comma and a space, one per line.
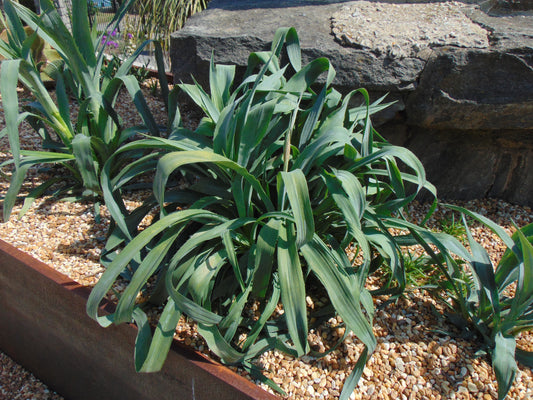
point(461, 74)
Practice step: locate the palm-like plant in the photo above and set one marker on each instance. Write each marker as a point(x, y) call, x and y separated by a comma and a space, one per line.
point(81, 147)
point(280, 179)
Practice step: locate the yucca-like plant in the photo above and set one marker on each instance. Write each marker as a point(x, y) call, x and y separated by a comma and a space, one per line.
point(493, 301)
point(81, 147)
point(258, 205)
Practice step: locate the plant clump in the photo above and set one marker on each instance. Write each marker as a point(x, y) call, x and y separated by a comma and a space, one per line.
point(253, 210)
point(80, 71)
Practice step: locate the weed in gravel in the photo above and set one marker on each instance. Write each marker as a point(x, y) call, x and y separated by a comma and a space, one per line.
point(450, 226)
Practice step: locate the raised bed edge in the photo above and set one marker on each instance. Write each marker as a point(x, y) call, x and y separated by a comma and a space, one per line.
point(44, 327)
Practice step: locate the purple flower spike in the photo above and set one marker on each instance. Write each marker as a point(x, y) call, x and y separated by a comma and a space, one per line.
point(114, 33)
point(130, 35)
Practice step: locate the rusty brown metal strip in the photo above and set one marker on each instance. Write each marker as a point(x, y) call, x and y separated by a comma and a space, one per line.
point(44, 327)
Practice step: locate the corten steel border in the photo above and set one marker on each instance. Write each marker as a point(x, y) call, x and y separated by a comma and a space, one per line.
point(44, 327)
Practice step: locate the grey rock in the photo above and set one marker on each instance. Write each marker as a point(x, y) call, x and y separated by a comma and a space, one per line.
point(467, 82)
point(232, 34)
point(401, 30)
point(465, 108)
point(474, 90)
point(473, 165)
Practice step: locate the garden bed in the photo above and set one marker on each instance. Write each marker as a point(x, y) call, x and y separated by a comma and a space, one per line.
point(413, 356)
point(410, 358)
point(46, 329)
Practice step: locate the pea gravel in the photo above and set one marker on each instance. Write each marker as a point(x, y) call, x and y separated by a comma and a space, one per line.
point(414, 358)
point(16, 383)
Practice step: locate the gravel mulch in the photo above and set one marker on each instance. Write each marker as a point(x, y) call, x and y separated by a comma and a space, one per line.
point(16, 383)
point(414, 359)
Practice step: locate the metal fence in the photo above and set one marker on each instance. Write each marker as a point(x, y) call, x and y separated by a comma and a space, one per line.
point(101, 12)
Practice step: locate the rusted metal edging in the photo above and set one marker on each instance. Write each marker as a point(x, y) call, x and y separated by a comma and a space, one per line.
point(44, 327)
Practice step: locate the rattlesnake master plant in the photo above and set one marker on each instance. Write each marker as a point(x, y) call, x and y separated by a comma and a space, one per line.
point(82, 147)
point(257, 205)
point(495, 302)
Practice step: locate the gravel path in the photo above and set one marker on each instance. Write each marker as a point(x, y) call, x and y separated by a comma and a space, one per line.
point(412, 360)
point(16, 383)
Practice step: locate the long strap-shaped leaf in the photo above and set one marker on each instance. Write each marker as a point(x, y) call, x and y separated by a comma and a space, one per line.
point(507, 271)
point(401, 153)
point(202, 99)
point(298, 194)
point(15, 30)
point(349, 197)
point(220, 81)
point(292, 284)
point(484, 272)
point(345, 297)
point(131, 251)
point(351, 382)
point(14, 187)
point(172, 161)
point(524, 357)
point(261, 274)
point(343, 293)
point(8, 88)
point(254, 130)
point(52, 29)
point(82, 32)
point(151, 351)
point(503, 362)
point(150, 263)
point(490, 224)
point(289, 36)
point(524, 286)
point(84, 157)
point(308, 76)
point(265, 315)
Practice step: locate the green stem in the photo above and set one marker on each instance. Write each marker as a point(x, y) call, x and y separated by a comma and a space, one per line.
point(287, 144)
